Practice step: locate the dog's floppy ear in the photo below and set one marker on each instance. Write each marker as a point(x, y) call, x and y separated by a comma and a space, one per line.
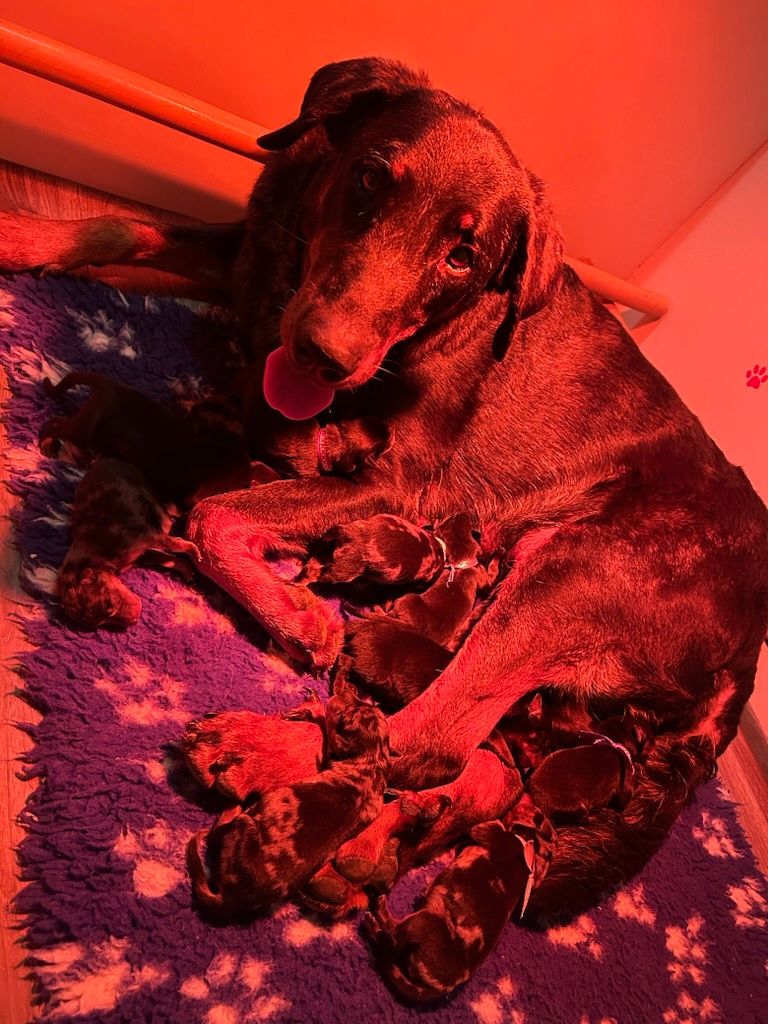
point(340, 94)
point(531, 265)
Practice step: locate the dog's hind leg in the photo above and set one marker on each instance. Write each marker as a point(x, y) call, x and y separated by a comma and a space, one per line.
point(203, 252)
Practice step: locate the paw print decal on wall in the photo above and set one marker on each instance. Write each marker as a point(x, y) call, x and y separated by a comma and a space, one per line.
point(756, 376)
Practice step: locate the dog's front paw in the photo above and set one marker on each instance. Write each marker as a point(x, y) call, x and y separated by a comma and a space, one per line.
point(307, 628)
point(314, 635)
point(241, 752)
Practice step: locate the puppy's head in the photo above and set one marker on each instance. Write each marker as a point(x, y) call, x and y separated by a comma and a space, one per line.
point(355, 726)
point(96, 597)
point(461, 540)
point(227, 871)
point(357, 443)
point(421, 956)
point(423, 209)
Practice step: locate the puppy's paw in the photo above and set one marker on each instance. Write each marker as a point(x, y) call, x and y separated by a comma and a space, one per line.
point(311, 709)
point(331, 895)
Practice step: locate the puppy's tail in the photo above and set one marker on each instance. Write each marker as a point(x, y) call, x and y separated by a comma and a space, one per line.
point(598, 856)
point(77, 378)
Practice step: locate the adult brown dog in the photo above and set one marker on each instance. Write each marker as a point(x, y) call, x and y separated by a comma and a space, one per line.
point(395, 219)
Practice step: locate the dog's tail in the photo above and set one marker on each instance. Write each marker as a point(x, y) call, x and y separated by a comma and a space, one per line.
point(601, 854)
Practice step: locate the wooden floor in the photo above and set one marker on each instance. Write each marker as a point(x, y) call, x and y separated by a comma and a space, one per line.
point(744, 766)
point(30, 192)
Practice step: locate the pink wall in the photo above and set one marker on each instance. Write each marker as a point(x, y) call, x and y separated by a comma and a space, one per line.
point(715, 271)
point(634, 111)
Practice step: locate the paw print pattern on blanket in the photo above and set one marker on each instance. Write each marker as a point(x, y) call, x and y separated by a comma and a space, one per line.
point(188, 608)
point(157, 854)
point(631, 905)
point(690, 1010)
point(145, 697)
point(496, 1005)
point(580, 934)
point(90, 979)
point(689, 951)
point(750, 906)
point(232, 987)
point(99, 333)
point(300, 930)
point(714, 837)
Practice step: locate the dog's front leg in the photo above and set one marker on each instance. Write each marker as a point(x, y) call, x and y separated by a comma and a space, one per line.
point(241, 536)
point(498, 664)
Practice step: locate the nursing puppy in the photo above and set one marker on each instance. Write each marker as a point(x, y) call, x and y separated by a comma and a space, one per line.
point(572, 782)
point(252, 863)
point(384, 549)
point(431, 952)
point(184, 459)
point(306, 448)
point(399, 649)
point(414, 828)
point(116, 520)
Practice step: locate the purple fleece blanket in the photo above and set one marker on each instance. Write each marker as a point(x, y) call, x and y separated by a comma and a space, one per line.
point(110, 932)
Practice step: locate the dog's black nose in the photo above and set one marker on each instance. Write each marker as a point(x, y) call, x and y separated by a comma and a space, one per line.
point(310, 355)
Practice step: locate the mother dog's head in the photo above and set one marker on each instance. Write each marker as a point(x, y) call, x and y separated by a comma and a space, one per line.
point(419, 207)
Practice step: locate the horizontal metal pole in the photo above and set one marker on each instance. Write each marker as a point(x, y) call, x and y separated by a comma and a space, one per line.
point(617, 289)
point(66, 65)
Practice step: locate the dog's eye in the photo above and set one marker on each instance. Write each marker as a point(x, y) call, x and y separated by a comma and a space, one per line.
point(369, 180)
point(461, 258)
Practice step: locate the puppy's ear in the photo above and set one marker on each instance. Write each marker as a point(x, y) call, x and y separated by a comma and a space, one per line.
point(530, 267)
point(339, 95)
point(484, 833)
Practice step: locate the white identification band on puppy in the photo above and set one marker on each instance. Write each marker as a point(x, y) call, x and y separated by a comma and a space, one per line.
point(530, 860)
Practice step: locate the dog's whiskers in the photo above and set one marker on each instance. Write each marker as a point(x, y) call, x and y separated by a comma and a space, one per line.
point(291, 233)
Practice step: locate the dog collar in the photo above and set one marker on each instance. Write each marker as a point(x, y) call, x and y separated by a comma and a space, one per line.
point(599, 737)
point(321, 449)
point(530, 862)
point(453, 567)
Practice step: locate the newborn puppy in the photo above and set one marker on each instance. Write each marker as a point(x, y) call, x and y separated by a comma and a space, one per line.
point(545, 726)
point(429, 953)
point(390, 661)
point(540, 726)
point(398, 651)
point(304, 448)
point(279, 839)
point(445, 610)
point(572, 782)
point(183, 458)
point(381, 549)
point(115, 521)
